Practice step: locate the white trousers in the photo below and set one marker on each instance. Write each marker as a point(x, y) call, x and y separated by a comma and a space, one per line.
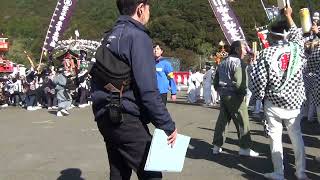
point(275, 116)
point(209, 94)
point(214, 95)
point(248, 97)
point(192, 94)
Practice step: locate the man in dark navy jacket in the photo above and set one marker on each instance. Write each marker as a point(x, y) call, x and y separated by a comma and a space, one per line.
point(128, 142)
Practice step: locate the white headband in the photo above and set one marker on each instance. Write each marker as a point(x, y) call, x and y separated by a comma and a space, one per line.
point(284, 34)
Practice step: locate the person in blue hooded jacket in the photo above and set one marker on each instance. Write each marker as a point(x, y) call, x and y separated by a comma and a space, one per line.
point(128, 141)
point(165, 78)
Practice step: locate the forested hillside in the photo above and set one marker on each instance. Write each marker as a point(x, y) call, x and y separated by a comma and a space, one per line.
point(187, 28)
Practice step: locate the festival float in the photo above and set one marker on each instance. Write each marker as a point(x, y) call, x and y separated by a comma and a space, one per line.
point(6, 66)
point(73, 54)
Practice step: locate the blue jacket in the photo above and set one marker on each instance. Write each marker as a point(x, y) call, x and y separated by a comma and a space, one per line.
point(165, 76)
point(129, 40)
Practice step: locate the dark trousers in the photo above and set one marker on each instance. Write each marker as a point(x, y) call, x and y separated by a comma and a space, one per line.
point(16, 98)
point(235, 108)
point(127, 147)
point(31, 100)
point(7, 97)
point(49, 98)
point(23, 97)
point(40, 97)
point(164, 98)
point(83, 96)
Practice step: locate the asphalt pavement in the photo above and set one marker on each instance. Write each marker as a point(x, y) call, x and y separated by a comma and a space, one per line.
point(39, 146)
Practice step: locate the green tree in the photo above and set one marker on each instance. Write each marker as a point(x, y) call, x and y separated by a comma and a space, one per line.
point(187, 28)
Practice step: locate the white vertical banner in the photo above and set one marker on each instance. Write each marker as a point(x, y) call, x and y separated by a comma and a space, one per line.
point(227, 20)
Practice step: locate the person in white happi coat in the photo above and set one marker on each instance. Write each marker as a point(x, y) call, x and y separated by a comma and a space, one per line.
point(192, 88)
point(277, 79)
point(198, 79)
point(208, 90)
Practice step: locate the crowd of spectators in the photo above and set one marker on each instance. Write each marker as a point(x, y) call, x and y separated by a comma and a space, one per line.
point(47, 89)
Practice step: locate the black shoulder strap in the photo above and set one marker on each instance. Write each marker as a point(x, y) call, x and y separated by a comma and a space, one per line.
point(109, 68)
point(106, 36)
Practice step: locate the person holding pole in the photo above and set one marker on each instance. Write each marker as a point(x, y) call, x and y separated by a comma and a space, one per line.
point(278, 80)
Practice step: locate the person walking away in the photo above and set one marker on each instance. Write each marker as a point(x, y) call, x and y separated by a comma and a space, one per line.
point(63, 97)
point(192, 88)
point(165, 78)
point(198, 79)
point(277, 79)
point(231, 83)
point(209, 99)
point(122, 113)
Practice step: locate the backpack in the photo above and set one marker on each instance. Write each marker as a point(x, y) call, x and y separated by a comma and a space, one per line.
point(110, 69)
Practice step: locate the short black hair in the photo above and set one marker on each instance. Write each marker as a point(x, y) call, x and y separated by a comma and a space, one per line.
point(278, 25)
point(155, 45)
point(235, 48)
point(128, 7)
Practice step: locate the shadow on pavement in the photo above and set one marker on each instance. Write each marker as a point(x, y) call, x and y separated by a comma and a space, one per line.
point(309, 141)
point(310, 128)
point(53, 112)
point(70, 174)
point(199, 103)
point(229, 158)
point(209, 129)
point(252, 168)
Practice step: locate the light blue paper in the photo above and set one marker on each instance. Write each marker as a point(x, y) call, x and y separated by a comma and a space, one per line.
point(163, 157)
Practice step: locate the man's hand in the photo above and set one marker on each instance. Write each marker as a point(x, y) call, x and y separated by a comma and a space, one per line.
point(172, 138)
point(314, 28)
point(174, 97)
point(253, 58)
point(288, 14)
point(288, 11)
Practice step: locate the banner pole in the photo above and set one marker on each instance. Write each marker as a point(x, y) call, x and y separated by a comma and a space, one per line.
point(40, 59)
point(265, 10)
point(310, 7)
point(30, 60)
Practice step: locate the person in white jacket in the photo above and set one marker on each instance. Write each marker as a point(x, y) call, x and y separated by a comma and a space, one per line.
point(198, 79)
point(192, 88)
point(208, 89)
